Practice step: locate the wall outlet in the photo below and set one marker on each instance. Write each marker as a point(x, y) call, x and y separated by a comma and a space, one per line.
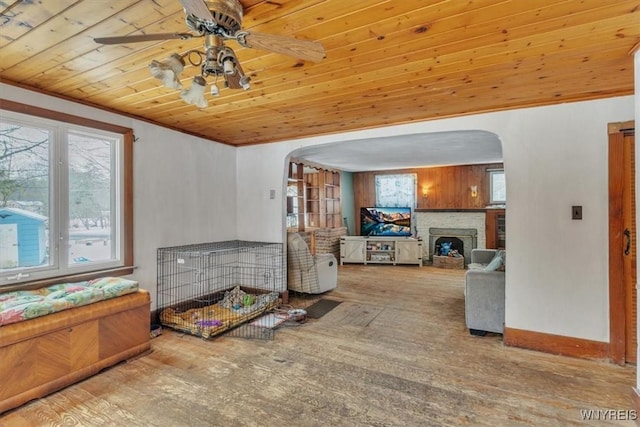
point(576, 212)
point(272, 194)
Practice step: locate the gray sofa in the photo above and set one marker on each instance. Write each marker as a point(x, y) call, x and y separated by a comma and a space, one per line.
point(484, 294)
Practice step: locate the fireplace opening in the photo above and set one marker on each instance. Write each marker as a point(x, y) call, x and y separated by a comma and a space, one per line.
point(466, 238)
point(456, 244)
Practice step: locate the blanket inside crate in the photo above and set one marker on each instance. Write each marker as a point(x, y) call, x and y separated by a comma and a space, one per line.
point(235, 308)
point(16, 306)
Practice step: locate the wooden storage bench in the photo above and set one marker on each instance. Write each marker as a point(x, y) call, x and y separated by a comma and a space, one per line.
point(44, 354)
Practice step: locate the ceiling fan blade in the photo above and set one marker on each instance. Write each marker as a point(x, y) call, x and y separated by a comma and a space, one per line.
point(197, 8)
point(143, 38)
point(303, 49)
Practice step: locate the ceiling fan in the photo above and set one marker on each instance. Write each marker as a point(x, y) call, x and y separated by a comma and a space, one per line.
point(216, 21)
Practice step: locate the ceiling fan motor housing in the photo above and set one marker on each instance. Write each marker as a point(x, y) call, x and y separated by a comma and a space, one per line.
point(227, 14)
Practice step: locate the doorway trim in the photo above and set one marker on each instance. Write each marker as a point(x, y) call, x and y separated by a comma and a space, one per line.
point(617, 324)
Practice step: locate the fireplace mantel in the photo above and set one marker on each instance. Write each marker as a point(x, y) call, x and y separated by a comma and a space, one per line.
point(453, 210)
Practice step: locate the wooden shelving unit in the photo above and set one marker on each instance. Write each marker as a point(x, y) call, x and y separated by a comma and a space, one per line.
point(313, 198)
point(332, 203)
point(295, 197)
point(323, 207)
point(496, 232)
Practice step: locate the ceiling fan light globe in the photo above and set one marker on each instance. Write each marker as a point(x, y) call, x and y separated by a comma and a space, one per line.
point(168, 71)
point(176, 63)
point(167, 77)
point(195, 94)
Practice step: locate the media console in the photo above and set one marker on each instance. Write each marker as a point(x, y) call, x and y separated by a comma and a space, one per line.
point(380, 250)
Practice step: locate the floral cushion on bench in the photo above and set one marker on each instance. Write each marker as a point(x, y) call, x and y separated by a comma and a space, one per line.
point(16, 306)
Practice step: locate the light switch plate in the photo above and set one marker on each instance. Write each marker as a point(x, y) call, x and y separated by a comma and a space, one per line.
point(576, 212)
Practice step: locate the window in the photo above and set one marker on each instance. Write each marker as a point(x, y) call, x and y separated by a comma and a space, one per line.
point(498, 193)
point(65, 196)
point(394, 191)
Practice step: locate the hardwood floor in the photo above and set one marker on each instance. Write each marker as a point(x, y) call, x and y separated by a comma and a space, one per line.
point(394, 353)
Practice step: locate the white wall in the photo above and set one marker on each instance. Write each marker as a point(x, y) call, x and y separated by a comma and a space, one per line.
point(262, 168)
point(184, 187)
point(555, 157)
point(184, 193)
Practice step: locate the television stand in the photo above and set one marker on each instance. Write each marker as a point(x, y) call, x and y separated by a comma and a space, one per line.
point(380, 250)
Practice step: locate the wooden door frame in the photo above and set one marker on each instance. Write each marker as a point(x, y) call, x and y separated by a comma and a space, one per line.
point(617, 324)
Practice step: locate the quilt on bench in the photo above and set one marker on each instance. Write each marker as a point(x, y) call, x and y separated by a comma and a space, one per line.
point(16, 306)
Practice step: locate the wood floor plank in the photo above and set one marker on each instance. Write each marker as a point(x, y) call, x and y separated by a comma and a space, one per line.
point(395, 353)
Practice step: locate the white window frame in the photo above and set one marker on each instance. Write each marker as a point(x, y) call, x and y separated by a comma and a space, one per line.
point(410, 183)
point(492, 175)
point(59, 269)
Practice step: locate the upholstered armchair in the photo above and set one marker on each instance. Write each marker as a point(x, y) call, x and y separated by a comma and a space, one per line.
point(308, 273)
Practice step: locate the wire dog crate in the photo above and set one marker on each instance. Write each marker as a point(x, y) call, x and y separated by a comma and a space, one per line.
point(209, 288)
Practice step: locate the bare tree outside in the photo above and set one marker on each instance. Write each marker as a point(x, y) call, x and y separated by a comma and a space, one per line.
point(24, 167)
point(85, 170)
point(89, 181)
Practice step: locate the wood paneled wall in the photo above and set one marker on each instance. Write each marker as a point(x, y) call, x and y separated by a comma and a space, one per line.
point(447, 187)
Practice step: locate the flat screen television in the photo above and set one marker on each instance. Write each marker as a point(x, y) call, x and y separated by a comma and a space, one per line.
point(379, 221)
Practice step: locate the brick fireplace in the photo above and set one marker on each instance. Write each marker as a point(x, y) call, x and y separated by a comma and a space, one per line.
point(468, 226)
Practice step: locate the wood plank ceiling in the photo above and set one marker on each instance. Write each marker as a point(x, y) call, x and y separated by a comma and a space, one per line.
point(387, 61)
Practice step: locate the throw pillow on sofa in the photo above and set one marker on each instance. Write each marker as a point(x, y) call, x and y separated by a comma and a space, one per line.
point(504, 261)
point(496, 262)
